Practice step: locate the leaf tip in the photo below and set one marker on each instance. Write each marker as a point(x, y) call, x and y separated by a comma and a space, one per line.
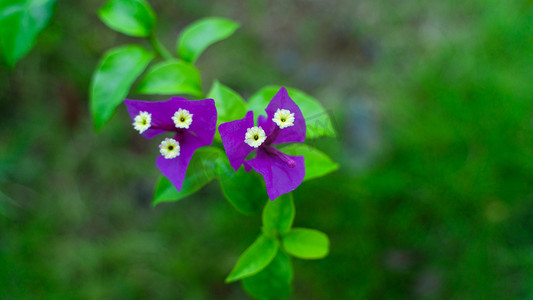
point(97, 125)
point(236, 25)
point(230, 278)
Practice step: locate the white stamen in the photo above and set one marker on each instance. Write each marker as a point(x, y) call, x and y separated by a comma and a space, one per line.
point(169, 148)
point(255, 136)
point(284, 118)
point(142, 121)
point(182, 118)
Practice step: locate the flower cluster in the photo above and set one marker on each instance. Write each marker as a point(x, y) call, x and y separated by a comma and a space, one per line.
point(284, 124)
point(193, 123)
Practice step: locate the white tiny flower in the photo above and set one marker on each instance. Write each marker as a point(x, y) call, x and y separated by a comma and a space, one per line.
point(284, 118)
point(169, 148)
point(255, 136)
point(142, 121)
point(182, 118)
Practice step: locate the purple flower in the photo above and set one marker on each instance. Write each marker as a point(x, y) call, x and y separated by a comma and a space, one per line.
point(284, 124)
point(192, 122)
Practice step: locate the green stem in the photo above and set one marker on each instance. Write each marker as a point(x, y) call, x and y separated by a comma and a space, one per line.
point(159, 48)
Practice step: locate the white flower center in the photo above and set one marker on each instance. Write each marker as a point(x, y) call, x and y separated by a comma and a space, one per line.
point(142, 121)
point(284, 118)
point(169, 148)
point(255, 136)
point(182, 118)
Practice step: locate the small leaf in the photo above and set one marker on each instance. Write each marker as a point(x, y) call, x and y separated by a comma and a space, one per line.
point(317, 163)
point(274, 281)
point(201, 171)
point(316, 118)
point(20, 23)
point(244, 190)
point(230, 105)
point(306, 243)
point(196, 37)
point(254, 259)
point(131, 17)
point(278, 215)
point(170, 78)
point(113, 78)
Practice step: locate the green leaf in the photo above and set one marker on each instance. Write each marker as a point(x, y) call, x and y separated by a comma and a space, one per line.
point(20, 23)
point(317, 163)
point(113, 78)
point(278, 215)
point(131, 17)
point(316, 118)
point(171, 78)
point(244, 190)
point(274, 281)
point(306, 243)
point(201, 171)
point(230, 105)
point(254, 259)
point(196, 37)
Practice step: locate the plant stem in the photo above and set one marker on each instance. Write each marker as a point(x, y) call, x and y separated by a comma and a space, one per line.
point(159, 48)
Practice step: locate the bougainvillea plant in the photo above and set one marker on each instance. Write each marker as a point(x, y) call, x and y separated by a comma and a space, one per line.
point(188, 161)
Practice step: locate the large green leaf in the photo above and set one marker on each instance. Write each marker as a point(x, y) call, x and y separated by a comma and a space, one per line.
point(131, 17)
point(278, 215)
point(113, 78)
point(20, 23)
point(306, 243)
point(274, 281)
point(171, 78)
point(316, 118)
point(317, 163)
point(244, 190)
point(254, 259)
point(196, 37)
point(201, 171)
point(230, 105)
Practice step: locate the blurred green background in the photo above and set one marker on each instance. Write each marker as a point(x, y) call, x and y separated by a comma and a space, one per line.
point(433, 103)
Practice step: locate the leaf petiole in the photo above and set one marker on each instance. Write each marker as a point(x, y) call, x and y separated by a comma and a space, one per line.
point(159, 47)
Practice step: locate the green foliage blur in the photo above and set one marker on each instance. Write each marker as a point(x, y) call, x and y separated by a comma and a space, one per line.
point(433, 106)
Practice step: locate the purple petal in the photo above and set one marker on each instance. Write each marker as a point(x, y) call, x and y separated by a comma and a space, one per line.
point(203, 111)
point(232, 134)
point(268, 126)
point(295, 133)
point(174, 169)
point(204, 119)
point(162, 112)
point(279, 177)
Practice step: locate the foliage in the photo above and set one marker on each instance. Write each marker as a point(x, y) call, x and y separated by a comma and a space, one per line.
point(199, 35)
point(20, 23)
point(170, 78)
point(272, 282)
point(432, 199)
point(121, 67)
point(131, 17)
point(116, 73)
point(266, 257)
point(306, 243)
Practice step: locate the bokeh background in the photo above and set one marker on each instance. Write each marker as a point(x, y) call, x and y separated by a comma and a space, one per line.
point(433, 104)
